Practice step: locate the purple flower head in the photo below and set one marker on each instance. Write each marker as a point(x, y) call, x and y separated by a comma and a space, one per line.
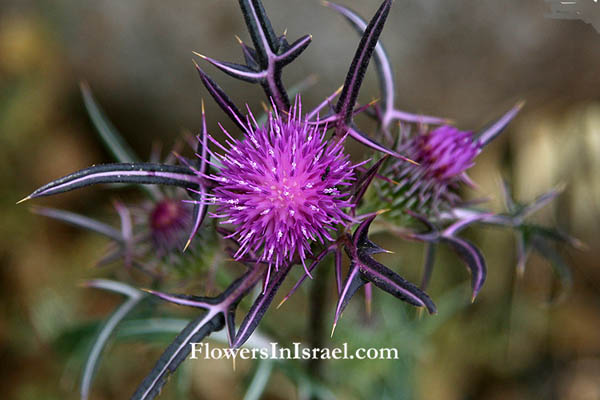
point(445, 152)
point(282, 186)
point(169, 222)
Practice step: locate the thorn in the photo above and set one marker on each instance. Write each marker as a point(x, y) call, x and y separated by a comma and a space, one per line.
point(382, 211)
point(411, 161)
point(265, 106)
point(282, 301)
point(333, 328)
point(473, 298)
point(373, 102)
point(520, 104)
point(23, 200)
point(202, 56)
point(420, 313)
point(285, 32)
point(202, 103)
point(187, 244)
point(325, 3)
point(239, 40)
point(149, 291)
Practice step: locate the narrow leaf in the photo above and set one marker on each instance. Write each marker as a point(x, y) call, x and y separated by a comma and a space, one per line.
point(221, 98)
point(80, 221)
point(382, 62)
point(338, 270)
point(176, 353)
point(361, 60)
point(109, 326)
point(363, 183)
point(492, 132)
point(259, 381)
point(139, 173)
point(389, 281)
point(108, 133)
point(294, 50)
point(259, 27)
point(560, 268)
point(354, 281)
point(237, 71)
point(430, 249)
point(202, 165)
point(260, 306)
point(473, 259)
point(185, 300)
point(541, 201)
point(367, 141)
point(312, 266)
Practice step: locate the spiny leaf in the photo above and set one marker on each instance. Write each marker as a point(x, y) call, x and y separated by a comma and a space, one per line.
point(354, 281)
point(270, 56)
point(139, 173)
point(560, 268)
point(361, 60)
point(260, 29)
point(363, 183)
point(382, 62)
point(176, 353)
point(360, 137)
point(202, 166)
point(237, 71)
point(221, 98)
point(389, 281)
point(260, 306)
point(312, 266)
point(487, 135)
point(338, 270)
point(472, 258)
point(430, 249)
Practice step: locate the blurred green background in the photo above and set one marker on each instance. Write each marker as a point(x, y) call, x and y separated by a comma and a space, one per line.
point(466, 60)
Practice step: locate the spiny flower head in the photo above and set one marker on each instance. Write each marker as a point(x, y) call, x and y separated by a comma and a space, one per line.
point(443, 154)
point(169, 221)
point(282, 186)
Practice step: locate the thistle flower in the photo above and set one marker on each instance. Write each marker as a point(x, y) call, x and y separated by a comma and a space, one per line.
point(282, 186)
point(444, 154)
point(170, 222)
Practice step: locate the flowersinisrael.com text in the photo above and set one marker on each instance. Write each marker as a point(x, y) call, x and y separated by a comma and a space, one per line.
point(204, 351)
